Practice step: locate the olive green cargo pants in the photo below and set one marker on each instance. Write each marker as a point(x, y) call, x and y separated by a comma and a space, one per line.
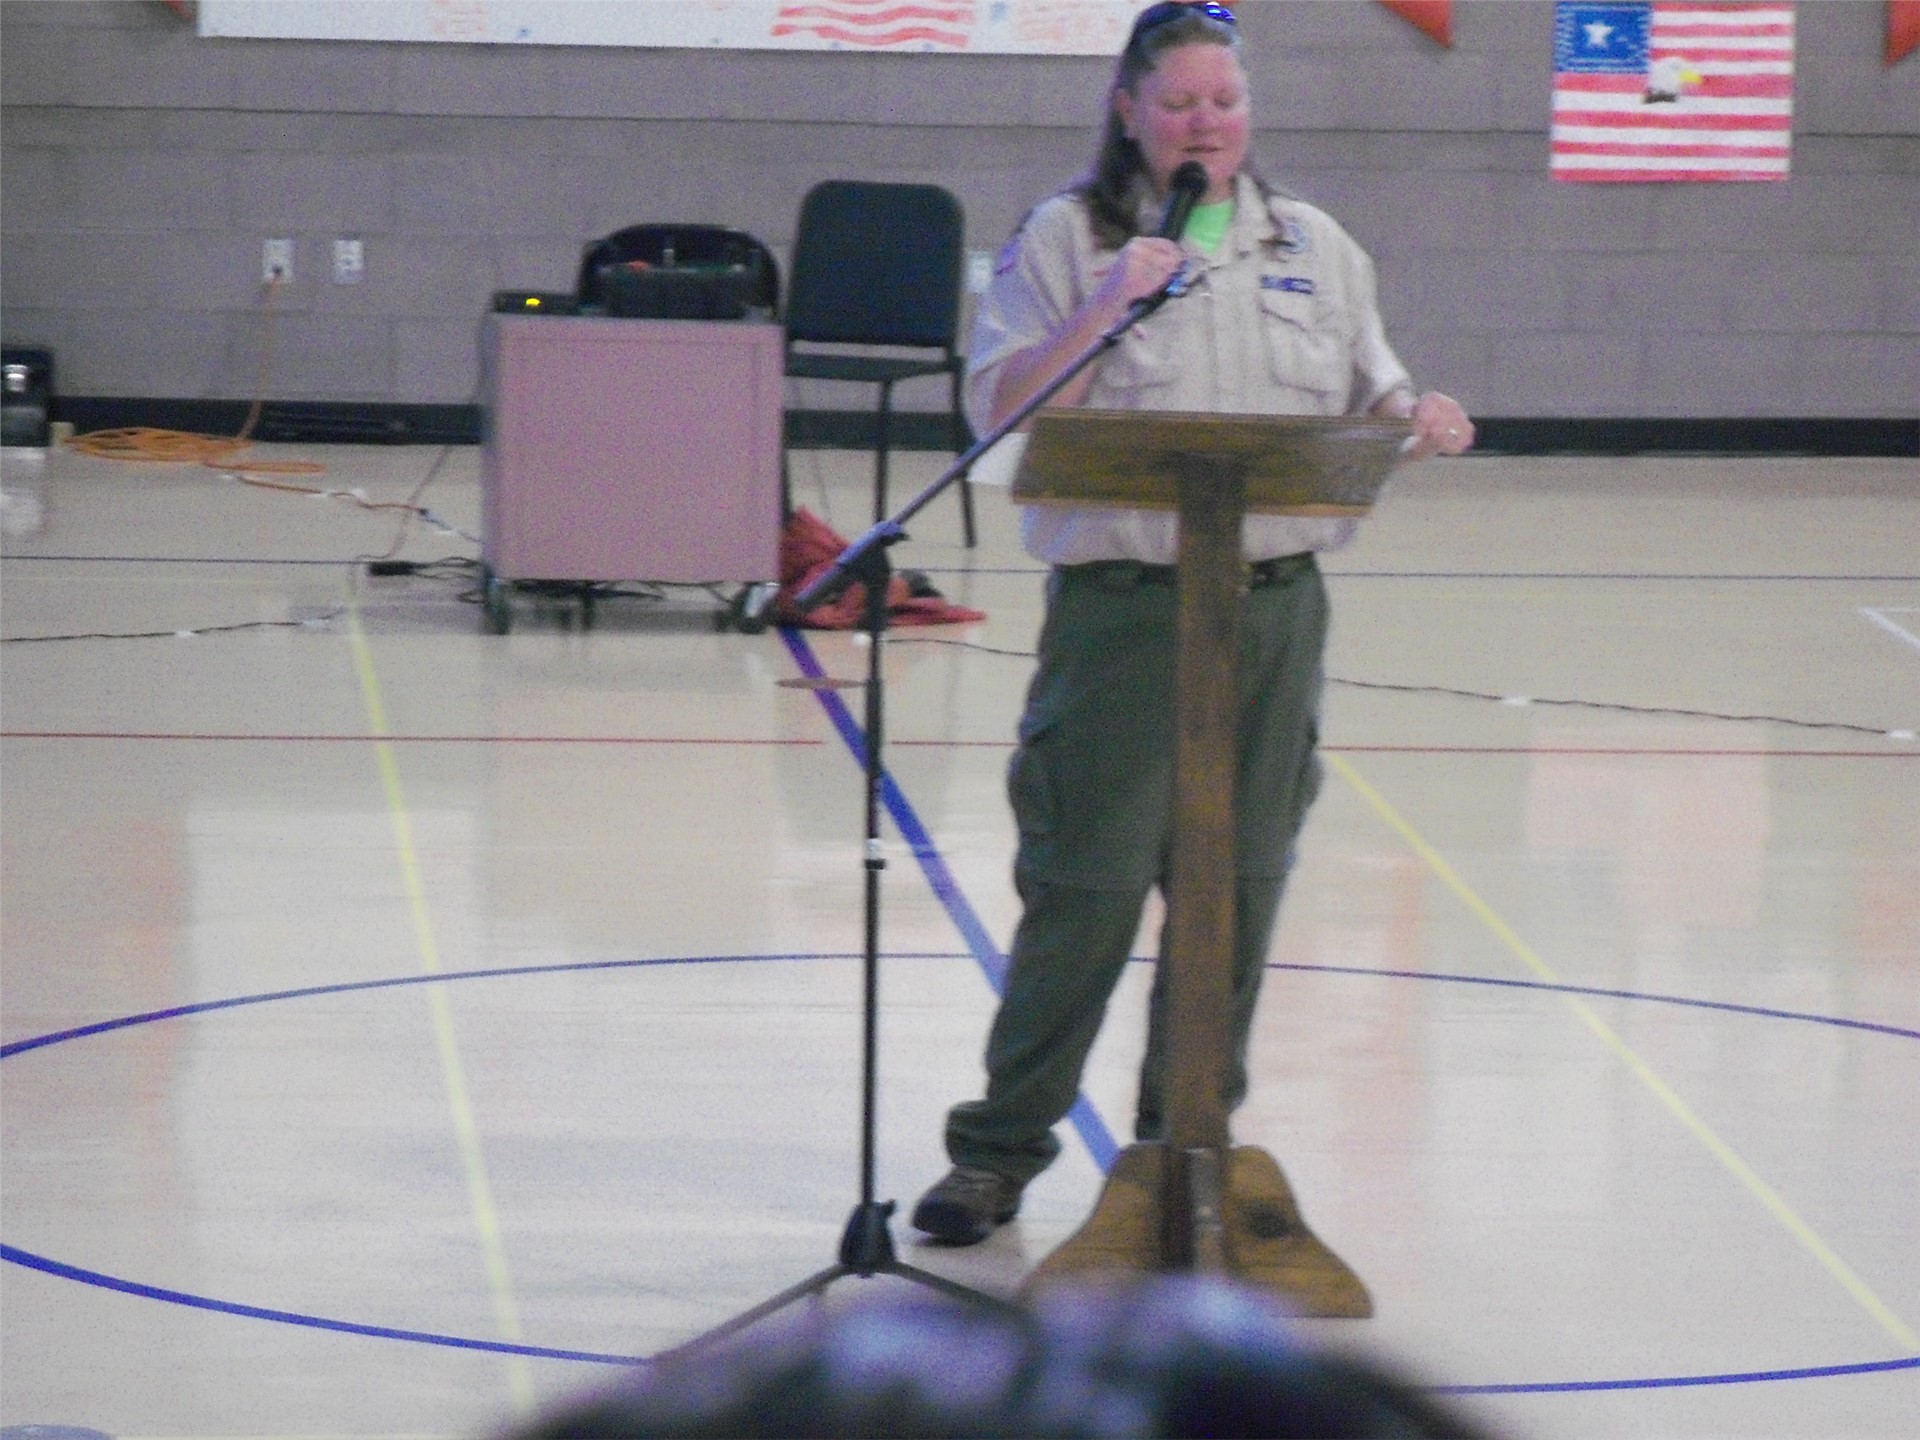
point(1092, 792)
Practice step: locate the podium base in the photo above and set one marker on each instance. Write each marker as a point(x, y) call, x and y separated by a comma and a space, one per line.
point(1257, 1235)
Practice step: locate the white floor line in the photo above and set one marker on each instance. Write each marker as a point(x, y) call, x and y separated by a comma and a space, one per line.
point(1878, 615)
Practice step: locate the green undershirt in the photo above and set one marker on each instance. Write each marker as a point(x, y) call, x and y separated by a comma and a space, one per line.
point(1207, 225)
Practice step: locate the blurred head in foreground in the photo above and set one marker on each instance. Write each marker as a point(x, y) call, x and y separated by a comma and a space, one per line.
point(1166, 1356)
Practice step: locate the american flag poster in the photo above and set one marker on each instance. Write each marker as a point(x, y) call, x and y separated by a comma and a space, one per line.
point(1667, 90)
point(908, 27)
point(877, 24)
point(1060, 27)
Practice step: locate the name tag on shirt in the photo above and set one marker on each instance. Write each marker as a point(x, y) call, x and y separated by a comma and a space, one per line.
point(1292, 284)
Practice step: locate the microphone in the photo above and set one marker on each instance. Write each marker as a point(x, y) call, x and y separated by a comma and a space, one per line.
point(1184, 188)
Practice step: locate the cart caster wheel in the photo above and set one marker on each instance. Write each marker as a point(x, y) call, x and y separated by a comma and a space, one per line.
point(750, 609)
point(497, 602)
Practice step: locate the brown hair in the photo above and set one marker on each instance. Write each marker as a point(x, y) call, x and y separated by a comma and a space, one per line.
point(1110, 189)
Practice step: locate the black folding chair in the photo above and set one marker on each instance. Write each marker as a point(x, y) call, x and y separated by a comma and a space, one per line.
point(880, 265)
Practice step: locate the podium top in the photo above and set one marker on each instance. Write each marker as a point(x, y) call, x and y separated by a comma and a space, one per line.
point(1316, 465)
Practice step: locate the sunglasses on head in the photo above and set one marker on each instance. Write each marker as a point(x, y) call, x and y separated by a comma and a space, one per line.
point(1155, 16)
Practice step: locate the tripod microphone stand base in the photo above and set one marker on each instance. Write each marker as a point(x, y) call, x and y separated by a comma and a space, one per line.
point(866, 1245)
point(866, 1250)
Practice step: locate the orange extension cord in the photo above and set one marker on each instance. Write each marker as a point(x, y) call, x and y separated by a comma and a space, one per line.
point(224, 453)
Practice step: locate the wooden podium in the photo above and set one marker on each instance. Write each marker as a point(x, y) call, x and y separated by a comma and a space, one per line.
point(1195, 1201)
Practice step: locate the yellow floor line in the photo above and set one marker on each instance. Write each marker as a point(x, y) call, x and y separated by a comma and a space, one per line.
point(1842, 1274)
point(486, 1215)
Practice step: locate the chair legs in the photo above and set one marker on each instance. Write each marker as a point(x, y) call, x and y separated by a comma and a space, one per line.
point(786, 472)
point(962, 439)
point(880, 452)
point(960, 435)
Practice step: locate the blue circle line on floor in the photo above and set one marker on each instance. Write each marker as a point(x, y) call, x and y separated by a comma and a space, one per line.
point(14, 1255)
point(27, 1259)
point(987, 955)
point(573, 967)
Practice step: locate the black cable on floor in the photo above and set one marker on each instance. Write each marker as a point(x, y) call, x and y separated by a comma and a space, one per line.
point(1457, 693)
point(315, 622)
point(456, 568)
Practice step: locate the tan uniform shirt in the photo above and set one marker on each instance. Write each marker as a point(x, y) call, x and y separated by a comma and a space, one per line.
point(1280, 320)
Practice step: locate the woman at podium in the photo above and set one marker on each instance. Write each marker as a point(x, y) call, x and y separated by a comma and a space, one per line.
point(1276, 315)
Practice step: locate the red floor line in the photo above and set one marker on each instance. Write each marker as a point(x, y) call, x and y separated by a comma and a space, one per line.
point(670, 740)
point(199, 735)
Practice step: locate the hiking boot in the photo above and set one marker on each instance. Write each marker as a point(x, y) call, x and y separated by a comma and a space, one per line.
point(964, 1208)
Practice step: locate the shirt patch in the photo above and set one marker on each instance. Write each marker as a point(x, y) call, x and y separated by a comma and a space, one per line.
point(1292, 239)
point(1009, 254)
point(1293, 284)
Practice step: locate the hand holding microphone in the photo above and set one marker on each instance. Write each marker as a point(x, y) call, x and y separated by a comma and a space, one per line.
point(1148, 267)
point(1141, 278)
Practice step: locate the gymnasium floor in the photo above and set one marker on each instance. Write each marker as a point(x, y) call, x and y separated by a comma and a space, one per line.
point(489, 1005)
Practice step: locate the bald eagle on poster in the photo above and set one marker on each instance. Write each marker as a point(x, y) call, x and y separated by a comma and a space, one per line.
point(1668, 79)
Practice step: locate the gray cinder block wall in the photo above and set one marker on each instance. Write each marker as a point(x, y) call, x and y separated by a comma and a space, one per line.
point(143, 166)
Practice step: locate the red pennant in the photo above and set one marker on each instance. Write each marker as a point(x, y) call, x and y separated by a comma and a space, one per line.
point(1903, 29)
point(1433, 16)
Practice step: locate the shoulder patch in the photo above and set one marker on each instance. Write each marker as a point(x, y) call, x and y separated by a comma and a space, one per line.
point(1010, 252)
point(1291, 237)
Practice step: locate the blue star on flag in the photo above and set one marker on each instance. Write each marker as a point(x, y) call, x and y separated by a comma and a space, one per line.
point(1602, 38)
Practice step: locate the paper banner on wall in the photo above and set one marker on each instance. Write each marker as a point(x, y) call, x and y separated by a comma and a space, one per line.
point(1434, 17)
point(1903, 29)
point(952, 27)
point(1671, 91)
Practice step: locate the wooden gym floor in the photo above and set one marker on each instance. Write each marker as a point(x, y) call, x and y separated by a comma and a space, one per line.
point(404, 1024)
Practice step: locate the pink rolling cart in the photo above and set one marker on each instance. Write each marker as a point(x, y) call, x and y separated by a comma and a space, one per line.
point(624, 449)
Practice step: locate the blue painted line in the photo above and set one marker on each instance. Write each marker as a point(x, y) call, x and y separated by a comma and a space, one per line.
point(204, 1007)
point(176, 1012)
point(1085, 1119)
point(63, 1271)
point(27, 1259)
point(979, 943)
point(1676, 1382)
point(1764, 1012)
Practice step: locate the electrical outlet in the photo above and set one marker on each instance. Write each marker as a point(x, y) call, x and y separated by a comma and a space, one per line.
point(276, 262)
point(349, 262)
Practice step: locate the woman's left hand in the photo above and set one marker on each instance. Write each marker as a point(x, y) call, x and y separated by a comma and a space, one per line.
point(1440, 427)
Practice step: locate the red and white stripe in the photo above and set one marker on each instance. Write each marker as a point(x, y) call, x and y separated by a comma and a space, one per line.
point(879, 24)
point(1736, 124)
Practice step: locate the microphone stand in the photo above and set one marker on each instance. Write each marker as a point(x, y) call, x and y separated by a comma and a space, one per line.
point(866, 1245)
